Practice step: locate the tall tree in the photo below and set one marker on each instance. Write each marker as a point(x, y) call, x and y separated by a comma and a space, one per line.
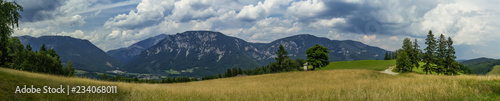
point(403, 63)
point(9, 17)
point(430, 41)
point(441, 55)
point(407, 45)
point(43, 48)
point(70, 68)
point(453, 67)
point(28, 47)
point(410, 51)
point(317, 56)
point(416, 51)
point(386, 57)
point(281, 54)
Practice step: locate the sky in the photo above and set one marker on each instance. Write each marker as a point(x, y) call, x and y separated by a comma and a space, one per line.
point(110, 24)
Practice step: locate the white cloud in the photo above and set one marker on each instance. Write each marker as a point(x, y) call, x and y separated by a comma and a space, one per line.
point(374, 22)
point(148, 12)
point(328, 23)
point(261, 10)
point(306, 9)
point(368, 38)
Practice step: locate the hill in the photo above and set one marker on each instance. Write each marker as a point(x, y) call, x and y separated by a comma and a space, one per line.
point(341, 84)
point(128, 54)
point(495, 71)
point(85, 55)
point(201, 53)
point(481, 66)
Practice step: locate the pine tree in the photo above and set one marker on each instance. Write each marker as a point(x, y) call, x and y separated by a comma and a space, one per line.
point(28, 47)
point(43, 48)
point(429, 55)
point(403, 63)
point(441, 55)
point(415, 59)
point(386, 57)
point(281, 55)
point(453, 66)
point(410, 51)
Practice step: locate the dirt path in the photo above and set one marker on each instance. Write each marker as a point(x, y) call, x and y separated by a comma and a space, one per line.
point(389, 71)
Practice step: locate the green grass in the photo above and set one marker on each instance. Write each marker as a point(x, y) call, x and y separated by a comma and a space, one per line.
point(495, 71)
point(377, 65)
point(80, 72)
point(361, 82)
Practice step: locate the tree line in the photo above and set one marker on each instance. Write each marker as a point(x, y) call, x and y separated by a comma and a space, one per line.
point(42, 61)
point(14, 55)
point(439, 56)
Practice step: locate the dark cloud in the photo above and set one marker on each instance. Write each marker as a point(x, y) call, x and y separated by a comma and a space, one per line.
point(36, 10)
point(337, 9)
point(377, 18)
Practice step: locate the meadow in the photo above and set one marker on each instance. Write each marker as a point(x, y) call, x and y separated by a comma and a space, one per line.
point(332, 84)
point(495, 71)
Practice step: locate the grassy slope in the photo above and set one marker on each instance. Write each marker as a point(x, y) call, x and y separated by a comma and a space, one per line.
point(494, 71)
point(347, 84)
point(378, 65)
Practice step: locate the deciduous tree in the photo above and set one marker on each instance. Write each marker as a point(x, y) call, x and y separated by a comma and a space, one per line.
point(317, 56)
point(9, 17)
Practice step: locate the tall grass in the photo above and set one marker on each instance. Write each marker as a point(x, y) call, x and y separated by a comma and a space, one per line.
point(348, 84)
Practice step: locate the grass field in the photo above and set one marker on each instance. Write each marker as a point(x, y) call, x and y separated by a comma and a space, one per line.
point(378, 65)
point(340, 84)
point(495, 71)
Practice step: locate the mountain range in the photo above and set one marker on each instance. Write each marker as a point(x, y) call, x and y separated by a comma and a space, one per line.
point(128, 54)
point(85, 55)
point(195, 53)
point(199, 53)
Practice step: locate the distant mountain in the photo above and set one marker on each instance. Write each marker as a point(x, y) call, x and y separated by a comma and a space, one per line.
point(199, 53)
point(481, 66)
point(85, 55)
point(128, 54)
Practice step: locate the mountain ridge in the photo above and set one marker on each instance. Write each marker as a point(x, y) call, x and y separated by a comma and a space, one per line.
point(85, 55)
point(213, 47)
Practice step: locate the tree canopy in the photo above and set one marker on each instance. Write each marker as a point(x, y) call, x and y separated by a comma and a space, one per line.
point(317, 56)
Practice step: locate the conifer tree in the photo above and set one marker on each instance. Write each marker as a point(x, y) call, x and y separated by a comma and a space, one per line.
point(415, 59)
point(453, 66)
point(403, 63)
point(429, 55)
point(441, 55)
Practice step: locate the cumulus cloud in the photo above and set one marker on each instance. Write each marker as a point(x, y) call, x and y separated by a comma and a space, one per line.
point(261, 10)
point(379, 23)
point(149, 12)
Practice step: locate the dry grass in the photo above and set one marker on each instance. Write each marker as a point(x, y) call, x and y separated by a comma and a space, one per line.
point(310, 85)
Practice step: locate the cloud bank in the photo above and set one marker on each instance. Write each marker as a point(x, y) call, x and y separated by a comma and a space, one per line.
point(112, 24)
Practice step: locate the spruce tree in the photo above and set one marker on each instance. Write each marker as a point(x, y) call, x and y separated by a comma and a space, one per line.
point(408, 48)
point(403, 63)
point(429, 55)
point(386, 57)
point(281, 55)
point(441, 55)
point(415, 59)
point(453, 66)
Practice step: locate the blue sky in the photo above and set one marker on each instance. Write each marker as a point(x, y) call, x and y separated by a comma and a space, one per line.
point(112, 24)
